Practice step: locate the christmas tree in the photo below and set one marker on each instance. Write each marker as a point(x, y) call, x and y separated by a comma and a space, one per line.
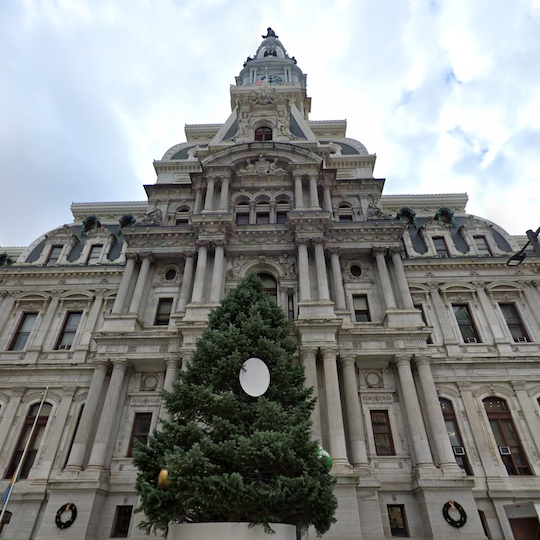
point(230, 456)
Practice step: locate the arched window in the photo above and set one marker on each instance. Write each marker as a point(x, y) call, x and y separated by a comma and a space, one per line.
point(454, 435)
point(345, 213)
point(242, 213)
point(269, 284)
point(263, 134)
point(35, 440)
point(506, 436)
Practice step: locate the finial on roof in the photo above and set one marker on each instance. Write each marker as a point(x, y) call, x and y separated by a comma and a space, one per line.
point(270, 33)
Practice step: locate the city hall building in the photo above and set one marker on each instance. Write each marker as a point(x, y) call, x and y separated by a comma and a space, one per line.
point(421, 343)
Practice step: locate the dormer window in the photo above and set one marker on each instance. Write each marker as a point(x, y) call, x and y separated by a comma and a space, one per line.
point(54, 255)
point(263, 134)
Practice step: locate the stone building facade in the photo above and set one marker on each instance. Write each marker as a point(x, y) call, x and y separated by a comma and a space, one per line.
point(422, 345)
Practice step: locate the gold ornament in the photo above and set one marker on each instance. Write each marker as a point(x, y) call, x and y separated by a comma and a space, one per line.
point(163, 479)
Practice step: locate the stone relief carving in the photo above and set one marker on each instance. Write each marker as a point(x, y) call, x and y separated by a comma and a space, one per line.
point(262, 167)
point(155, 217)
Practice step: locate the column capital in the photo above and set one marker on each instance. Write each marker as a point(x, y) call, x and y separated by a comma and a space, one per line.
point(147, 255)
point(101, 364)
point(379, 250)
point(422, 359)
point(334, 250)
point(403, 361)
point(202, 243)
point(131, 256)
point(172, 363)
point(329, 353)
point(120, 365)
point(302, 241)
point(318, 240)
point(347, 360)
point(189, 253)
point(395, 250)
point(308, 352)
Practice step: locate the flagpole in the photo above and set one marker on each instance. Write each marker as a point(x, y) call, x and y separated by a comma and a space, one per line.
point(15, 477)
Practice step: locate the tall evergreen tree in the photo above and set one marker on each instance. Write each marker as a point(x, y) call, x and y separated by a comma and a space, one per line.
point(230, 456)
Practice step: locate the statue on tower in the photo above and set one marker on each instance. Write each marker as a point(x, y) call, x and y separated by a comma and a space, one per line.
point(269, 33)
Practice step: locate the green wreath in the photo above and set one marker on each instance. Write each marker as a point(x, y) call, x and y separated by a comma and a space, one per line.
point(462, 515)
point(68, 507)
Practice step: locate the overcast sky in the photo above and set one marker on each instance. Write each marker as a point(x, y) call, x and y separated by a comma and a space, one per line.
point(446, 93)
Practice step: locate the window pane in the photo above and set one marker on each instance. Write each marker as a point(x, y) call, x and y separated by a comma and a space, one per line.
point(163, 313)
point(465, 323)
point(70, 329)
point(440, 246)
point(54, 255)
point(514, 323)
point(95, 252)
point(122, 520)
point(361, 310)
point(382, 434)
point(20, 338)
point(481, 245)
point(398, 521)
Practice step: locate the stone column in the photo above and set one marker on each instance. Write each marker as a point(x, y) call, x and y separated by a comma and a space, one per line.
point(187, 355)
point(336, 430)
point(198, 199)
point(337, 281)
point(314, 195)
point(327, 199)
point(386, 284)
point(403, 284)
point(439, 433)
point(82, 437)
point(309, 361)
point(111, 406)
point(209, 199)
point(171, 374)
point(413, 414)
point(217, 274)
point(187, 279)
point(322, 278)
point(298, 192)
point(224, 195)
point(303, 271)
point(121, 296)
point(273, 218)
point(355, 419)
point(252, 213)
point(141, 282)
point(200, 272)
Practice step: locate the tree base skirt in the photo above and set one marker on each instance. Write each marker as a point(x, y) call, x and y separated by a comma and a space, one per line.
point(229, 531)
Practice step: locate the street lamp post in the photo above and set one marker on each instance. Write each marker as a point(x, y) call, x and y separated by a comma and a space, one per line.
point(519, 257)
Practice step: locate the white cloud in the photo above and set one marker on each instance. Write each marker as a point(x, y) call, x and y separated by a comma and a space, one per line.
point(446, 93)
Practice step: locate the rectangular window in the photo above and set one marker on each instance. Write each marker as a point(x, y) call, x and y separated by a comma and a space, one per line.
point(281, 217)
point(466, 323)
point(398, 520)
point(242, 219)
point(54, 255)
point(163, 313)
point(263, 218)
point(182, 222)
point(95, 253)
point(382, 434)
point(514, 322)
point(361, 308)
point(122, 520)
point(140, 430)
point(482, 246)
point(28, 321)
point(440, 246)
point(65, 341)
